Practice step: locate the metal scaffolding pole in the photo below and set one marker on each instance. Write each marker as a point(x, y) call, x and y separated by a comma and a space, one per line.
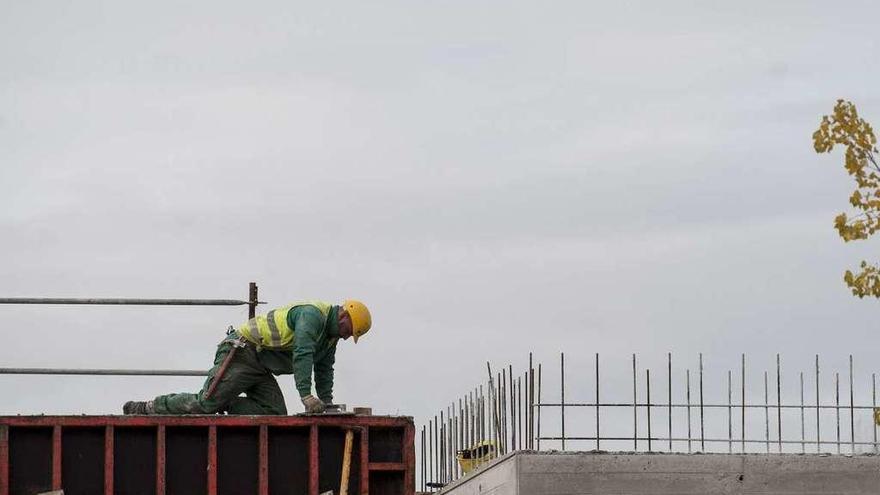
point(124, 301)
point(104, 372)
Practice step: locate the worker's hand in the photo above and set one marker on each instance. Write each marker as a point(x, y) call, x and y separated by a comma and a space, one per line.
point(313, 404)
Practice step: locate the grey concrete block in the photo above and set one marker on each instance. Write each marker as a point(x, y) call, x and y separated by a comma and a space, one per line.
point(531, 473)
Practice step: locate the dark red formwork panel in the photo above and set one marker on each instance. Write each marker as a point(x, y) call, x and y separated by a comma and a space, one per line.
point(211, 455)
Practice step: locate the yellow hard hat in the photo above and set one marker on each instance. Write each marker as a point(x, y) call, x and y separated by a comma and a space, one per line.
point(360, 318)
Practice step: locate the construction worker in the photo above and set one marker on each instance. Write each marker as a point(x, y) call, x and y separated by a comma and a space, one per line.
point(292, 339)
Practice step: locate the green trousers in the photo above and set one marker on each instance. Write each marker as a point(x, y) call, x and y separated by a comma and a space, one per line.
point(244, 375)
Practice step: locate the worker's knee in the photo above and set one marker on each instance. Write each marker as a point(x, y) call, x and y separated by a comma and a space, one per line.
point(277, 409)
point(248, 406)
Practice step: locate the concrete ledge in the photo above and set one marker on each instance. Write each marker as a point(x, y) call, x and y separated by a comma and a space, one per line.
point(585, 473)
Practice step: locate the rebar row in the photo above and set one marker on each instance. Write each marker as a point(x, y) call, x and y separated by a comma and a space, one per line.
point(506, 416)
point(496, 417)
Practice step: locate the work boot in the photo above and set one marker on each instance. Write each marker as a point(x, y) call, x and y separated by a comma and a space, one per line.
point(138, 407)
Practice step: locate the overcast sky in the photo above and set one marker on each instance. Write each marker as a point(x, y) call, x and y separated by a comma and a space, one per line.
point(491, 178)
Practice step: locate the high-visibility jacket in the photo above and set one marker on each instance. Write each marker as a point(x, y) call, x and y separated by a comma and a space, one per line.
point(272, 330)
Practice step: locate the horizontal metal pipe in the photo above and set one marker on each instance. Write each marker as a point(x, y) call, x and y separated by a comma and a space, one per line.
point(721, 406)
point(110, 372)
point(116, 301)
point(684, 439)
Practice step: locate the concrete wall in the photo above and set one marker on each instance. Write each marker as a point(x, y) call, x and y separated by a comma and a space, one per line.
point(529, 473)
point(497, 478)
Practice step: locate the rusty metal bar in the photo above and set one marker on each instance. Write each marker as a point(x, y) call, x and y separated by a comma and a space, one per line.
point(531, 434)
point(669, 397)
point(803, 428)
point(874, 403)
point(519, 421)
point(688, 387)
point(818, 436)
point(648, 397)
point(539, 409)
point(635, 409)
point(253, 299)
point(729, 413)
point(837, 406)
point(852, 418)
point(766, 414)
point(597, 402)
point(779, 401)
point(743, 412)
point(562, 392)
point(702, 423)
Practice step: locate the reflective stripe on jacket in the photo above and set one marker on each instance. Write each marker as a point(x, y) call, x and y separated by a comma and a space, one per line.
point(272, 331)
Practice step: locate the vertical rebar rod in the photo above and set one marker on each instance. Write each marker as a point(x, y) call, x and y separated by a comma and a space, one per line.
point(766, 414)
point(669, 395)
point(531, 403)
point(462, 434)
point(502, 430)
point(493, 419)
point(729, 413)
point(503, 406)
point(444, 442)
point(513, 418)
point(434, 470)
point(450, 454)
point(837, 406)
point(422, 462)
point(442, 449)
point(496, 412)
point(818, 434)
point(475, 417)
point(803, 428)
point(430, 450)
point(779, 402)
point(466, 424)
point(702, 422)
point(477, 436)
point(468, 420)
point(874, 405)
point(743, 409)
point(598, 435)
point(688, 396)
point(453, 440)
point(648, 402)
point(460, 437)
point(481, 409)
point(539, 406)
point(519, 422)
point(562, 394)
point(635, 409)
point(487, 409)
point(450, 469)
point(512, 411)
point(253, 299)
point(852, 415)
point(490, 419)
